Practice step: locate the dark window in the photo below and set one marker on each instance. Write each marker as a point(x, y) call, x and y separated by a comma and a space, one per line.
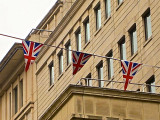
point(60, 62)
point(88, 80)
point(15, 98)
point(21, 93)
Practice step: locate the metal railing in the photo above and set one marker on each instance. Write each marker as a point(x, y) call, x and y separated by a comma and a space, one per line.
point(148, 88)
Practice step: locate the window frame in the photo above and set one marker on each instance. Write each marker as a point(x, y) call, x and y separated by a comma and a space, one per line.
point(78, 39)
point(68, 53)
point(110, 65)
point(150, 82)
point(87, 30)
point(107, 7)
point(15, 99)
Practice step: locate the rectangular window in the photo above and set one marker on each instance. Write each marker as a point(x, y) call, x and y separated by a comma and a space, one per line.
point(133, 37)
point(122, 46)
point(60, 63)
point(87, 31)
point(110, 66)
point(21, 93)
point(88, 81)
point(78, 38)
point(10, 105)
point(147, 24)
point(120, 1)
point(149, 86)
point(100, 74)
point(69, 53)
point(108, 8)
point(15, 100)
point(98, 17)
point(51, 72)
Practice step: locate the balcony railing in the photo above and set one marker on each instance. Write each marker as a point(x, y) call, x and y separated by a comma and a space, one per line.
point(148, 88)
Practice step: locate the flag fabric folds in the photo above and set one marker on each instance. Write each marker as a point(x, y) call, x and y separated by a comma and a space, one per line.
point(129, 69)
point(31, 50)
point(79, 60)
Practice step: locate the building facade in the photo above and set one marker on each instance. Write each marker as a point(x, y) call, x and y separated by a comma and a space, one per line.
point(120, 29)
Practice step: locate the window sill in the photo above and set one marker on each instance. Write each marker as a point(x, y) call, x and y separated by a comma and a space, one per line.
point(133, 56)
point(147, 41)
point(50, 87)
point(97, 31)
point(107, 19)
point(60, 76)
point(68, 66)
point(86, 45)
point(119, 5)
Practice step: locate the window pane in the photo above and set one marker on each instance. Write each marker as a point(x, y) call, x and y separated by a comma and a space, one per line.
point(15, 100)
point(100, 75)
point(123, 50)
point(51, 67)
point(150, 82)
point(134, 47)
point(148, 28)
point(60, 63)
point(110, 67)
point(108, 8)
point(9, 105)
point(78, 35)
point(98, 17)
point(21, 93)
point(87, 31)
point(68, 47)
point(88, 81)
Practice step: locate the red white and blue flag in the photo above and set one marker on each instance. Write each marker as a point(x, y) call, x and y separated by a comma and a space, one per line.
point(31, 50)
point(129, 69)
point(79, 59)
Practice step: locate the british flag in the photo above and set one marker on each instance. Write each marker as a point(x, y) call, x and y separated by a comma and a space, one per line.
point(31, 50)
point(79, 59)
point(129, 69)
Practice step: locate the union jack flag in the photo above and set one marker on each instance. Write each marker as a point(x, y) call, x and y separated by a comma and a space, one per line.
point(31, 50)
point(79, 59)
point(129, 69)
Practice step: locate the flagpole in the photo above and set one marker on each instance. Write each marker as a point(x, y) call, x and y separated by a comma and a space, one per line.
point(76, 51)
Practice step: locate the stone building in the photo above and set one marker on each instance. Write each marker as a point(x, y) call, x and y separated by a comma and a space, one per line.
point(122, 29)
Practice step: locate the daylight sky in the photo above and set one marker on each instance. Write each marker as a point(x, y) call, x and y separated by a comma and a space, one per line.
point(18, 17)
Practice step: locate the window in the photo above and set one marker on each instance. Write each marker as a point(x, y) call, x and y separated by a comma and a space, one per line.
point(100, 74)
point(108, 8)
point(122, 45)
point(60, 63)
point(98, 17)
point(21, 93)
point(120, 1)
point(149, 86)
point(147, 24)
point(51, 72)
point(78, 38)
point(68, 47)
point(88, 81)
point(133, 37)
point(15, 100)
point(110, 66)
point(87, 31)
point(10, 105)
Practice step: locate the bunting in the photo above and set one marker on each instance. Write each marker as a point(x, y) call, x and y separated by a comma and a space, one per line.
point(79, 60)
point(129, 69)
point(31, 50)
